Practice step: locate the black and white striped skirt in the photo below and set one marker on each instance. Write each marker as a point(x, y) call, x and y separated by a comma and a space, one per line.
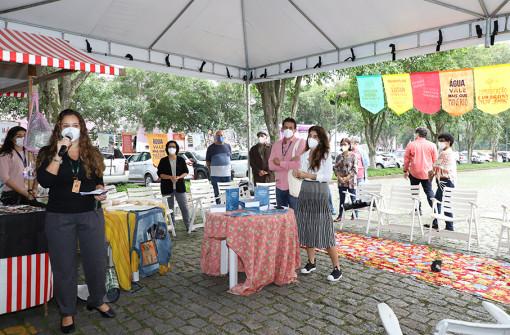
point(314, 221)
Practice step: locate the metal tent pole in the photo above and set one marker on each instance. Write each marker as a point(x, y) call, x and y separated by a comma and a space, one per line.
point(248, 120)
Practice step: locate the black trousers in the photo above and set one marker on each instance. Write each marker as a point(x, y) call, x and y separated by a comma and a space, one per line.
point(427, 188)
point(63, 231)
point(441, 184)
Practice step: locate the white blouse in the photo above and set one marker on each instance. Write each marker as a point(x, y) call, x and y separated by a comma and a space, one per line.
point(325, 170)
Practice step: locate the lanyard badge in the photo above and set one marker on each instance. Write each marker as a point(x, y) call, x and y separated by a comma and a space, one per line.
point(76, 181)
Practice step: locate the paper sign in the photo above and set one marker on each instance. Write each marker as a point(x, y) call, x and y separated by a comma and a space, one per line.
point(457, 93)
point(492, 87)
point(157, 144)
point(399, 93)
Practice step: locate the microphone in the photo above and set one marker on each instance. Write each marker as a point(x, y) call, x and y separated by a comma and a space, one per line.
point(63, 149)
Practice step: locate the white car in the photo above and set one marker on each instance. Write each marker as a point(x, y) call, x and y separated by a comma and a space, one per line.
point(385, 160)
point(116, 169)
point(239, 162)
point(141, 168)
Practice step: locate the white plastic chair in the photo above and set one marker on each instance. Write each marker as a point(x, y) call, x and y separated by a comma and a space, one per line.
point(462, 205)
point(272, 192)
point(156, 189)
point(369, 193)
point(222, 187)
point(243, 191)
point(403, 200)
point(202, 198)
point(392, 326)
point(141, 193)
point(389, 320)
point(505, 228)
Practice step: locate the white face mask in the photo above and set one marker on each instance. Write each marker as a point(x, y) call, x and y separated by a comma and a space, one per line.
point(262, 140)
point(19, 141)
point(344, 148)
point(71, 132)
point(287, 133)
point(312, 143)
point(172, 151)
point(441, 145)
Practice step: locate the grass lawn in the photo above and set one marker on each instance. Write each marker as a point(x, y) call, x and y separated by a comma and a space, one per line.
point(460, 167)
point(371, 173)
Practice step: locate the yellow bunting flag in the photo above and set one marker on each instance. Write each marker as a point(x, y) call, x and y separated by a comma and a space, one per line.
point(399, 92)
point(157, 144)
point(457, 95)
point(492, 88)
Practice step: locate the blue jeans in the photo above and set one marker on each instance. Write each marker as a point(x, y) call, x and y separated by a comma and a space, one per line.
point(439, 196)
point(214, 182)
point(284, 199)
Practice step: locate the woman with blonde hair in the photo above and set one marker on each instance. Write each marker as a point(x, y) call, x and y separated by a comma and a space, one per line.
point(70, 164)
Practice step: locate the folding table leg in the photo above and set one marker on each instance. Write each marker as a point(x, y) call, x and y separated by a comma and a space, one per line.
point(232, 268)
point(223, 258)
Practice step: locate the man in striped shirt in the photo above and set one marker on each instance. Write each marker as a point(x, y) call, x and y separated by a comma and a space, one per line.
point(217, 159)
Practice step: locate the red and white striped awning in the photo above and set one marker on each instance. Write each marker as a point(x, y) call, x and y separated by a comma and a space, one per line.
point(35, 49)
point(14, 94)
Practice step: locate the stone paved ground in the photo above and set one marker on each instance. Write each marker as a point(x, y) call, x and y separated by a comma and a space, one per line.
point(188, 302)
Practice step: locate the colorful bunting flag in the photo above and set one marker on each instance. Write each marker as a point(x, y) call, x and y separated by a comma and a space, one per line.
point(399, 93)
point(457, 93)
point(492, 88)
point(371, 94)
point(426, 92)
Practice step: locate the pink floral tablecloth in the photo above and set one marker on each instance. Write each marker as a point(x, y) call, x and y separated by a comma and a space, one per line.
point(267, 246)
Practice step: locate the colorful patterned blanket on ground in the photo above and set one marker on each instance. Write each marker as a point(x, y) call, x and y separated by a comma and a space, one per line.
point(487, 278)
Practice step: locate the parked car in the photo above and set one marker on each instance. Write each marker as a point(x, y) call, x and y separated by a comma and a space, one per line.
point(479, 157)
point(200, 170)
point(385, 160)
point(399, 158)
point(239, 162)
point(504, 156)
point(462, 157)
point(200, 156)
point(141, 169)
point(116, 168)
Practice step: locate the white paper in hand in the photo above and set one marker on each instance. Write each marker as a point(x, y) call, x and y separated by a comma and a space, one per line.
point(95, 192)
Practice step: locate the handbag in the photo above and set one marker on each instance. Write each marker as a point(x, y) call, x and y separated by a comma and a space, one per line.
point(294, 183)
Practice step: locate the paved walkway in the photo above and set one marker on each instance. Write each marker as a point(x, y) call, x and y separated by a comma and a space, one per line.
point(187, 302)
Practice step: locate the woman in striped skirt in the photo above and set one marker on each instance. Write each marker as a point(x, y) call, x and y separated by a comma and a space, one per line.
point(315, 225)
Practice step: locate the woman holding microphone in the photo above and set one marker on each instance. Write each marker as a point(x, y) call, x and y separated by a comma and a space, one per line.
point(71, 217)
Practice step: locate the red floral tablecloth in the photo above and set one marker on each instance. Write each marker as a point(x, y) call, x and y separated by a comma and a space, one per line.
point(267, 246)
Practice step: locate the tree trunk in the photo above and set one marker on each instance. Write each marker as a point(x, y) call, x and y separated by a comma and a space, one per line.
point(273, 95)
point(373, 127)
point(57, 94)
point(295, 97)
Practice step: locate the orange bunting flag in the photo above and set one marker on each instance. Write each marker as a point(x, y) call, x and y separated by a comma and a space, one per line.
point(457, 93)
point(492, 88)
point(399, 93)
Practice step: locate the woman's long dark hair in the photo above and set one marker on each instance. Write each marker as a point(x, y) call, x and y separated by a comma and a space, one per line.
point(8, 145)
point(90, 156)
point(322, 150)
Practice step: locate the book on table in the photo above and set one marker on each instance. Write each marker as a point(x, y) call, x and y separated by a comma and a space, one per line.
point(232, 198)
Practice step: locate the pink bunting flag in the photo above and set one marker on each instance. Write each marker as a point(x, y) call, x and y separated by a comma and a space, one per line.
point(426, 92)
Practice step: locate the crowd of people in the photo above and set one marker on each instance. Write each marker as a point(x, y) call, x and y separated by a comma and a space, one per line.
point(300, 168)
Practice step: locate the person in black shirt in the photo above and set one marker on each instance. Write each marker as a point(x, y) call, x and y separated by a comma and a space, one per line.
point(172, 170)
point(72, 217)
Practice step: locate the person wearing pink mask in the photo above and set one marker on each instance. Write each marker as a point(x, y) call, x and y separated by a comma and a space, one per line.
point(259, 160)
point(285, 156)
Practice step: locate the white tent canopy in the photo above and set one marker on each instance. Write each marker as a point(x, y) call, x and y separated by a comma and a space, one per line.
point(256, 37)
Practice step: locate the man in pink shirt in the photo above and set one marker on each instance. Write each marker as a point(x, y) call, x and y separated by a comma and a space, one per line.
point(282, 160)
point(419, 157)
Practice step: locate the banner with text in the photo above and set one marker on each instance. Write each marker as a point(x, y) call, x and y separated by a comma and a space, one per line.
point(457, 92)
point(492, 86)
point(426, 92)
point(371, 93)
point(157, 144)
point(399, 93)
